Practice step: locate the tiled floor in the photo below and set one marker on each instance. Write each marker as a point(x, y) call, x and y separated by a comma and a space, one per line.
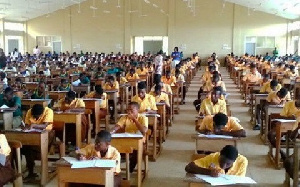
point(168, 170)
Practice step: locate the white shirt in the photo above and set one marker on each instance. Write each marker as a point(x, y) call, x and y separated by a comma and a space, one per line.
point(158, 61)
point(47, 72)
point(36, 51)
point(32, 69)
point(76, 83)
point(10, 70)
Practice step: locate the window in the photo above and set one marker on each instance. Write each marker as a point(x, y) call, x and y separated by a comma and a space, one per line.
point(262, 41)
point(14, 26)
point(46, 41)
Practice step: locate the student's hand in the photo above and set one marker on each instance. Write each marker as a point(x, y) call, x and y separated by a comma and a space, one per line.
point(162, 101)
point(208, 132)
point(214, 172)
point(26, 127)
point(130, 116)
point(80, 157)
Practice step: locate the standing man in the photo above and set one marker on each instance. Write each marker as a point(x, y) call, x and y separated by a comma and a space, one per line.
point(158, 61)
point(36, 51)
point(176, 56)
point(275, 52)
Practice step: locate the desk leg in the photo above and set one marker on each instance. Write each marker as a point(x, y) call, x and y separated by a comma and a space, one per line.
point(126, 96)
point(115, 105)
point(44, 158)
point(109, 178)
point(154, 138)
point(78, 131)
point(97, 120)
point(139, 163)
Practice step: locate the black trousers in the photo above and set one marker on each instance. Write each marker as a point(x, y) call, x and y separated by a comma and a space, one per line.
point(157, 78)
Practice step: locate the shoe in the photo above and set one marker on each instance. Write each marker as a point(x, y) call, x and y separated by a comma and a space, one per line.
point(30, 177)
point(256, 127)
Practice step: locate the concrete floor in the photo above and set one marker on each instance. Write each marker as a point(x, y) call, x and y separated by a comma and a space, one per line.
point(168, 170)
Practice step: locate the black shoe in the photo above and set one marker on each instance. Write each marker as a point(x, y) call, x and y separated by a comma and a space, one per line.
point(30, 177)
point(256, 127)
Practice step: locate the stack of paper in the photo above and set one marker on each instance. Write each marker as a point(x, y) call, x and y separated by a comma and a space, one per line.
point(225, 180)
point(100, 163)
point(214, 136)
point(126, 135)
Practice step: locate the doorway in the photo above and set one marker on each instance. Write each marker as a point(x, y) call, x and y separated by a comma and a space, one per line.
point(152, 44)
point(12, 44)
point(250, 48)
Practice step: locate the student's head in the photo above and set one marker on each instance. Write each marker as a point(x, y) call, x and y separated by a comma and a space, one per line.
point(110, 79)
point(168, 74)
point(82, 76)
point(131, 71)
point(228, 156)
point(212, 68)
point(282, 93)
point(216, 94)
point(142, 65)
point(41, 86)
point(292, 68)
point(37, 110)
point(8, 93)
point(98, 89)
point(215, 79)
point(64, 82)
point(102, 141)
point(252, 68)
point(157, 89)
point(70, 96)
point(176, 49)
point(142, 90)
point(133, 108)
point(220, 120)
point(273, 84)
point(18, 80)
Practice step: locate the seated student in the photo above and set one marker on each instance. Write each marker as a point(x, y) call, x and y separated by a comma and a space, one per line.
point(7, 173)
point(63, 73)
point(270, 86)
point(23, 72)
point(274, 98)
point(164, 88)
point(160, 97)
point(228, 161)
point(40, 91)
point(10, 68)
point(142, 70)
point(253, 76)
point(37, 117)
point(146, 101)
point(102, 149)
point(47, 72)
point(132, 75)
point(14, 103)
point(64, 85)
point(208, 74)
point(133, 122)
point(221, 124)
point(169, 79)
point(71, 103)
point(180, 78)
point(111, 84)
point(291, 73)
point(150, 66)
point(214, 104)
point(3, 80)
point(100, 73)
point(98, 94)
point(82, 80)
point(18, 84)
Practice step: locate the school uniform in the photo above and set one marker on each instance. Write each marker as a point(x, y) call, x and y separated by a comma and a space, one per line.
point(208, 124)
point(208, 108)
point(147, 103)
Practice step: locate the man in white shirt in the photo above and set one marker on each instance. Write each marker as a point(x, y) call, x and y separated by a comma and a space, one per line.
point(10, 68)
point(158, 61)
point(31, 68)
point(15, 54)
point(36, 51)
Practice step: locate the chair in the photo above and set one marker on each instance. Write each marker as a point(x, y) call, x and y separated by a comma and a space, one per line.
point(16, 161)
point(60, 132)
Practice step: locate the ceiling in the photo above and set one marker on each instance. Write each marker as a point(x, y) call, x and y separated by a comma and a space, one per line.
point(22, 10)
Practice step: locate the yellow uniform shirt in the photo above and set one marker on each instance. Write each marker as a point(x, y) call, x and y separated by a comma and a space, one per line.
point(147, 103)
point(76, 103)
point(45, 117)
point(208, 108)
point(133, 77)
point(104, 98)
point(111, 154)
point(252, 77)
point(180, 78)
point(162, 97)
point(171, 81)
point(4, 147)
point(130, 126)
point(142, 72)
point(290, 109)
point(115, 86)
point(266, 88)
point(208, 124)
point(272, 97)
point(206, 76)
point(123, 80)
point(165, 88)
point(238, 168)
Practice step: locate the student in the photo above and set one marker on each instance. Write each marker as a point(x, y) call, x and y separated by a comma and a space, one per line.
point(176, 57)
point(208, 74)
point(40, 92)
point(7, 173)
point(18, 84)
point(102, 149)
point(228, 161)
point(38, 117)
point(132, 75)
point(253, 76)
point(158, 62)
point(160, 97)
point(82, 80)
point(274, 98)
point(100, 73)
point(133, 122)
point(214, 104)
point(146, 101)
point(111, 84)
point(71, 103)
point(98, 94)
point(164, 88)
point(270, 86)
point(221, 124)
point(64, 85)
point(142, 70)
point(180, 78)
point(14, 103)
point(168, 79)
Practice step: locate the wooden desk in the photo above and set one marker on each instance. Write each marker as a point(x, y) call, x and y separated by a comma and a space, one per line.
point(82, 88)
point(125, 97)
point(6, 120)
point(30, 85)
point(71, 117)
point(162, 112)
point(31, 102)
point(34, 139)
point(94, 105)
point(157, 143)
point(99, 176)
point(137, 144)
point(57, 95)
point(269, 109)
point(113, 94)
point(181, 84)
